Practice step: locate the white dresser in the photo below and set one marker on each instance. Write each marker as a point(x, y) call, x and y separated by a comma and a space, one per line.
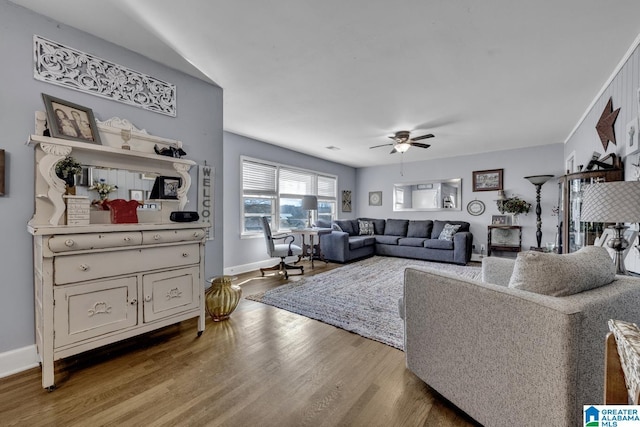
point(101, 283)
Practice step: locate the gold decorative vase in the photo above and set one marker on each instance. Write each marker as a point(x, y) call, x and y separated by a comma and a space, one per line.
point(222, 297)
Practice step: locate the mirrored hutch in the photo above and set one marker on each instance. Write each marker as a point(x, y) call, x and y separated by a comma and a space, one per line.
point(100, 283)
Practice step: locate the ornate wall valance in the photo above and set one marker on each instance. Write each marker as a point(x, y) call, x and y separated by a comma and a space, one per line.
point(64, 66)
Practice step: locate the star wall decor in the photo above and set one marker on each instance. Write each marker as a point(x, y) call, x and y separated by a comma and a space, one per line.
point(604, 127)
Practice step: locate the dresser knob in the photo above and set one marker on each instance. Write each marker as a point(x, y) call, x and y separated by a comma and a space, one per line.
point(133, 301)
point(84, 267)
point(185, 254)
point(196, 234)
point(156, 237)
point(147, 298)
point(127, 239)
point(69, 242)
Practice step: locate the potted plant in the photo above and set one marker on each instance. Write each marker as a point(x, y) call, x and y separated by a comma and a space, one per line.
point(103, 190)
point(66, 170)
point(514, 205)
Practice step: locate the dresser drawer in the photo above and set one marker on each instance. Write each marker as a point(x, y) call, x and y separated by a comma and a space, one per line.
point(78, 242)
point(171, 236)
point(78, 268)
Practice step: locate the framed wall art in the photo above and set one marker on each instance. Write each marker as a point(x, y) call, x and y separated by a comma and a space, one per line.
point(346, 201)
point(67, 120)
point(375, 198)
point(487, 180)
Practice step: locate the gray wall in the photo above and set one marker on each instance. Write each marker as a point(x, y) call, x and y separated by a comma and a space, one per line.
point(198, 125)
point(547, 159)
point(240, 252)
point(623, 89)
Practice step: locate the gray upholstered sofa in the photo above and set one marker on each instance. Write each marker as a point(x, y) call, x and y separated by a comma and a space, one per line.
point(396, 237)
point(507, 356)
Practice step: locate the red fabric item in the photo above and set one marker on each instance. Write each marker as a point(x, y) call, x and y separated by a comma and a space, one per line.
point(123, 211)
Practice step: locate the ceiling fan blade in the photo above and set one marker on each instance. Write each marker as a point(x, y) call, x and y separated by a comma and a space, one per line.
point(382, 145)
point(418, 138)
point(420, 144)
point(393, 151)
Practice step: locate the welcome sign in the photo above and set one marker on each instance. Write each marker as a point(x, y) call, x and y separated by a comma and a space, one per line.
point(205, 196)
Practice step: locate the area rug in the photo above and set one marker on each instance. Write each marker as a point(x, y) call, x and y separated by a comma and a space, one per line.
point(361, 297)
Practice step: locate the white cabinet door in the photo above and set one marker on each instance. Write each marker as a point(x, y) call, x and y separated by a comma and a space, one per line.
point(170, 292)
point(93, 309)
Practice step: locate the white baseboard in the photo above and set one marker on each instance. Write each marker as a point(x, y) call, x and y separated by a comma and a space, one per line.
point(18, 360)
point(477, 257)
point(245, 268)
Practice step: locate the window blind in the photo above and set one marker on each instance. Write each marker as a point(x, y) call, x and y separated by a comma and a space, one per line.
point(258, 178)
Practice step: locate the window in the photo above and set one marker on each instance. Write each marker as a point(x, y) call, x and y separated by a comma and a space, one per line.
point(268, 188)
point(258, 194)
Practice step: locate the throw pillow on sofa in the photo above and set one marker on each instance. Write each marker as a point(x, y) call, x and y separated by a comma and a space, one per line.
point(365, 227)
point(438, 226)
point(448, 231)
point(563, 275)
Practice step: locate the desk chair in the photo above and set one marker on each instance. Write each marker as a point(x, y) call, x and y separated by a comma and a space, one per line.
point(280, 250)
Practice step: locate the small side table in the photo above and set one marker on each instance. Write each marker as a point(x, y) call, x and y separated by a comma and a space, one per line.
point(504, 238)
point(312, 250)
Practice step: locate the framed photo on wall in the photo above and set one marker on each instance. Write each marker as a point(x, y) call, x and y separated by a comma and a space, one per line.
point(67, 120)
point(346, 200)
point(375, 198)
point(487, 180)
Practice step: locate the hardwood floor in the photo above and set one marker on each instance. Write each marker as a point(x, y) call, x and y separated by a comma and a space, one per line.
point(262, 367)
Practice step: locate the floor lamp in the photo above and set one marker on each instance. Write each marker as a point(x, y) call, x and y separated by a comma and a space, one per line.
point(613, 202)
point(309, 203)
point(538, 181)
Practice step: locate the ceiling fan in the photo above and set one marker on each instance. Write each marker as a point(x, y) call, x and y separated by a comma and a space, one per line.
point(403, 141)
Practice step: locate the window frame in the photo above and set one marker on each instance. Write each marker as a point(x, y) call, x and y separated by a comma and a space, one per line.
point(277, 196)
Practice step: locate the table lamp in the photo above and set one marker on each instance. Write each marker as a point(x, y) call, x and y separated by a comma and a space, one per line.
point(613, 202)
point(309, 203)
point(538, 181)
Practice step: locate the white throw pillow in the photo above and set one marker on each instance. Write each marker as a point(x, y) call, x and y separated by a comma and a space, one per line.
point(448, 231)
point(366, 228)
point(562, 275)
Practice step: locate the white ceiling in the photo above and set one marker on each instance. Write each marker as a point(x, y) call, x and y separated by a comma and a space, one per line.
point(304, 74)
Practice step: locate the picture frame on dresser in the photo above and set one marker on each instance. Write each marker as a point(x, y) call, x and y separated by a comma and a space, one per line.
point(166, 187)
point(66, 120)
point(136, 195)
point(500, 219)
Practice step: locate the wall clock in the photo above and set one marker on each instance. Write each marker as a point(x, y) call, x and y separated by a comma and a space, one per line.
point(375, 198)
point(475, 207)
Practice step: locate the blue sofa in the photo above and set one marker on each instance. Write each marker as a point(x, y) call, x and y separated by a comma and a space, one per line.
point(419, 239)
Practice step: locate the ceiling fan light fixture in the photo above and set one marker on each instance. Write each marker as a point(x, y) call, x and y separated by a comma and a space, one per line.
point(402, 147)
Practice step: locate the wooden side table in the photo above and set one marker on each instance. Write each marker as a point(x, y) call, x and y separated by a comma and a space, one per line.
point(504, 238)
